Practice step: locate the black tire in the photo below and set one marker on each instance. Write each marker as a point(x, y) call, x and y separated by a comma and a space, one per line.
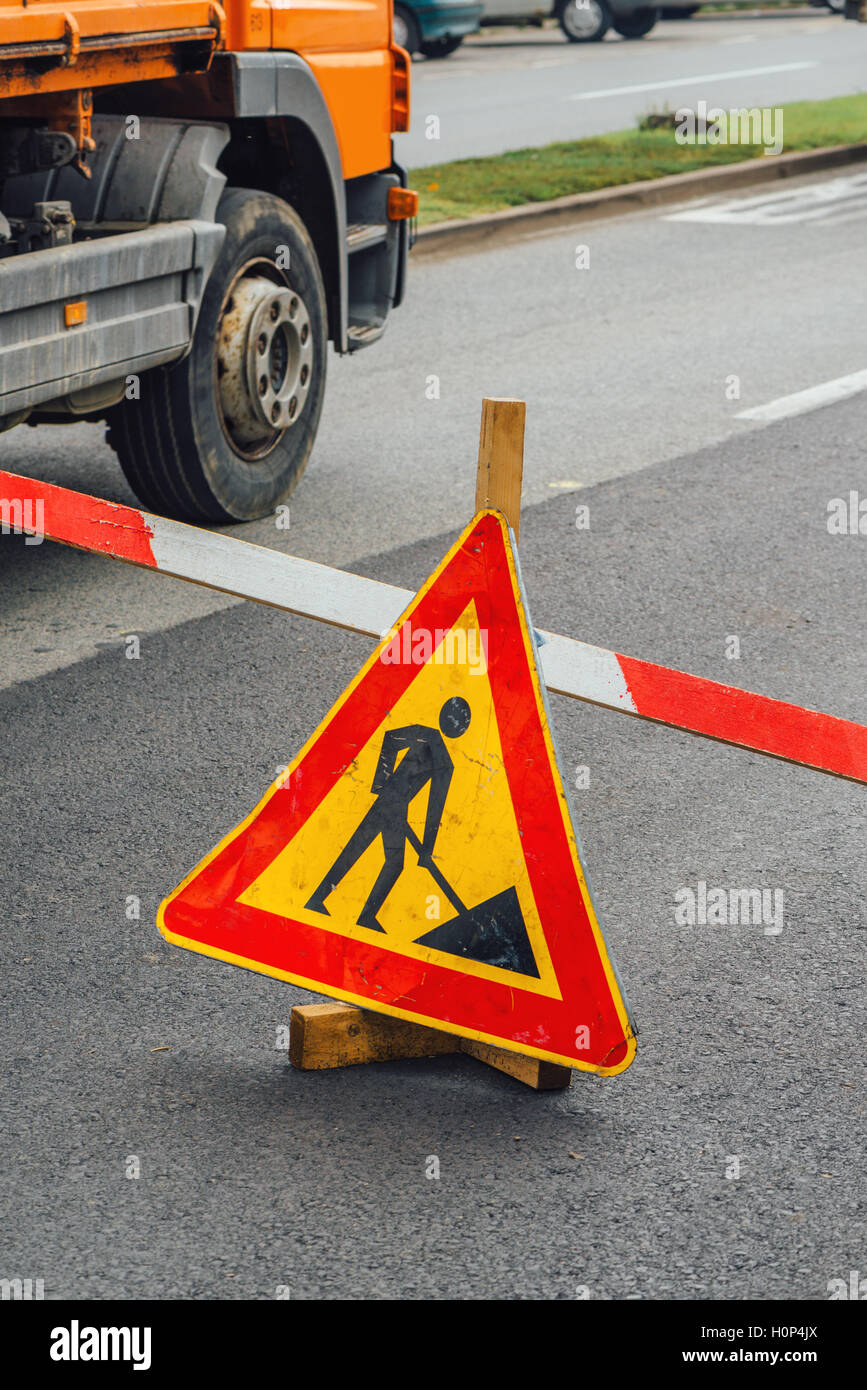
point(441, 48)
point(410, 37)
point(636, 24)
point(175, 443)
point(584, 21)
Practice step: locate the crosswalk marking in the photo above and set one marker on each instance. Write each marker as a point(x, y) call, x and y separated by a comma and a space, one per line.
point(835, 200)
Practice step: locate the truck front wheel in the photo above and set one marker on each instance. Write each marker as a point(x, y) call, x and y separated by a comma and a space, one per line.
point(225, 434)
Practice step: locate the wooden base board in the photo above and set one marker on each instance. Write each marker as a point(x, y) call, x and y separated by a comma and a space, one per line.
point(340, 1035)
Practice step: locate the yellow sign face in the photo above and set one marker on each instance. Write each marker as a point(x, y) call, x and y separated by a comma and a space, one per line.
point(477, 847)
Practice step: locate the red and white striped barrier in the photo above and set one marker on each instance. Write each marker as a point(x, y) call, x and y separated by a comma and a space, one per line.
point(639, 688)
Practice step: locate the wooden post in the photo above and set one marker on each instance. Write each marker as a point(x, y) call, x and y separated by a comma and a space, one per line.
point(501, 458)
point(341, 1035)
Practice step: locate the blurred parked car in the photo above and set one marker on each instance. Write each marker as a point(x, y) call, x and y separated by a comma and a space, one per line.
point(584, 21)
point(435, 29)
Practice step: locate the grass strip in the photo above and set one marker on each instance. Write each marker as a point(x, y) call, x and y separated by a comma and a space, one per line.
point(467, 187)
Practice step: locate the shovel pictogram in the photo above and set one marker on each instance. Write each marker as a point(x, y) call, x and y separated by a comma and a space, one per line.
point(494, 932)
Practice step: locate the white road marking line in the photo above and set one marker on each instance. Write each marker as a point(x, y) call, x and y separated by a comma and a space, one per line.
point(836, 200)
point(811, 399)
point(687, 81)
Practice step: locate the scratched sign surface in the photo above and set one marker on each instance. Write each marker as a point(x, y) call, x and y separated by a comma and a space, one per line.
point(417, 857)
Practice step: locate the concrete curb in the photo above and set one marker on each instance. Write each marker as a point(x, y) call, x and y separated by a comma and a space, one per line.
point(495, 227)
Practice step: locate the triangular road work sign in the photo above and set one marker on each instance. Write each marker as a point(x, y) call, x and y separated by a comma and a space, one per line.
point(417, 857)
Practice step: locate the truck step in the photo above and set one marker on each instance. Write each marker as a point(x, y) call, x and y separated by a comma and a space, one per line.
point(360, 335)
point(360, 235)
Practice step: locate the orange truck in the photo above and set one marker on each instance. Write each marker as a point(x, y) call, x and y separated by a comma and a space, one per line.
point(195, 198)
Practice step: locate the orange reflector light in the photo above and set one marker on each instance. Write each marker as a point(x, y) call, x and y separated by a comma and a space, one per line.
point(75, 313)
point(402, 202)
point(400, 65)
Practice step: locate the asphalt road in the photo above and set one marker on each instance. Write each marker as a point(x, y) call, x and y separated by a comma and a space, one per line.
point(507, 89)
point(120, 774)
point(624, 364)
